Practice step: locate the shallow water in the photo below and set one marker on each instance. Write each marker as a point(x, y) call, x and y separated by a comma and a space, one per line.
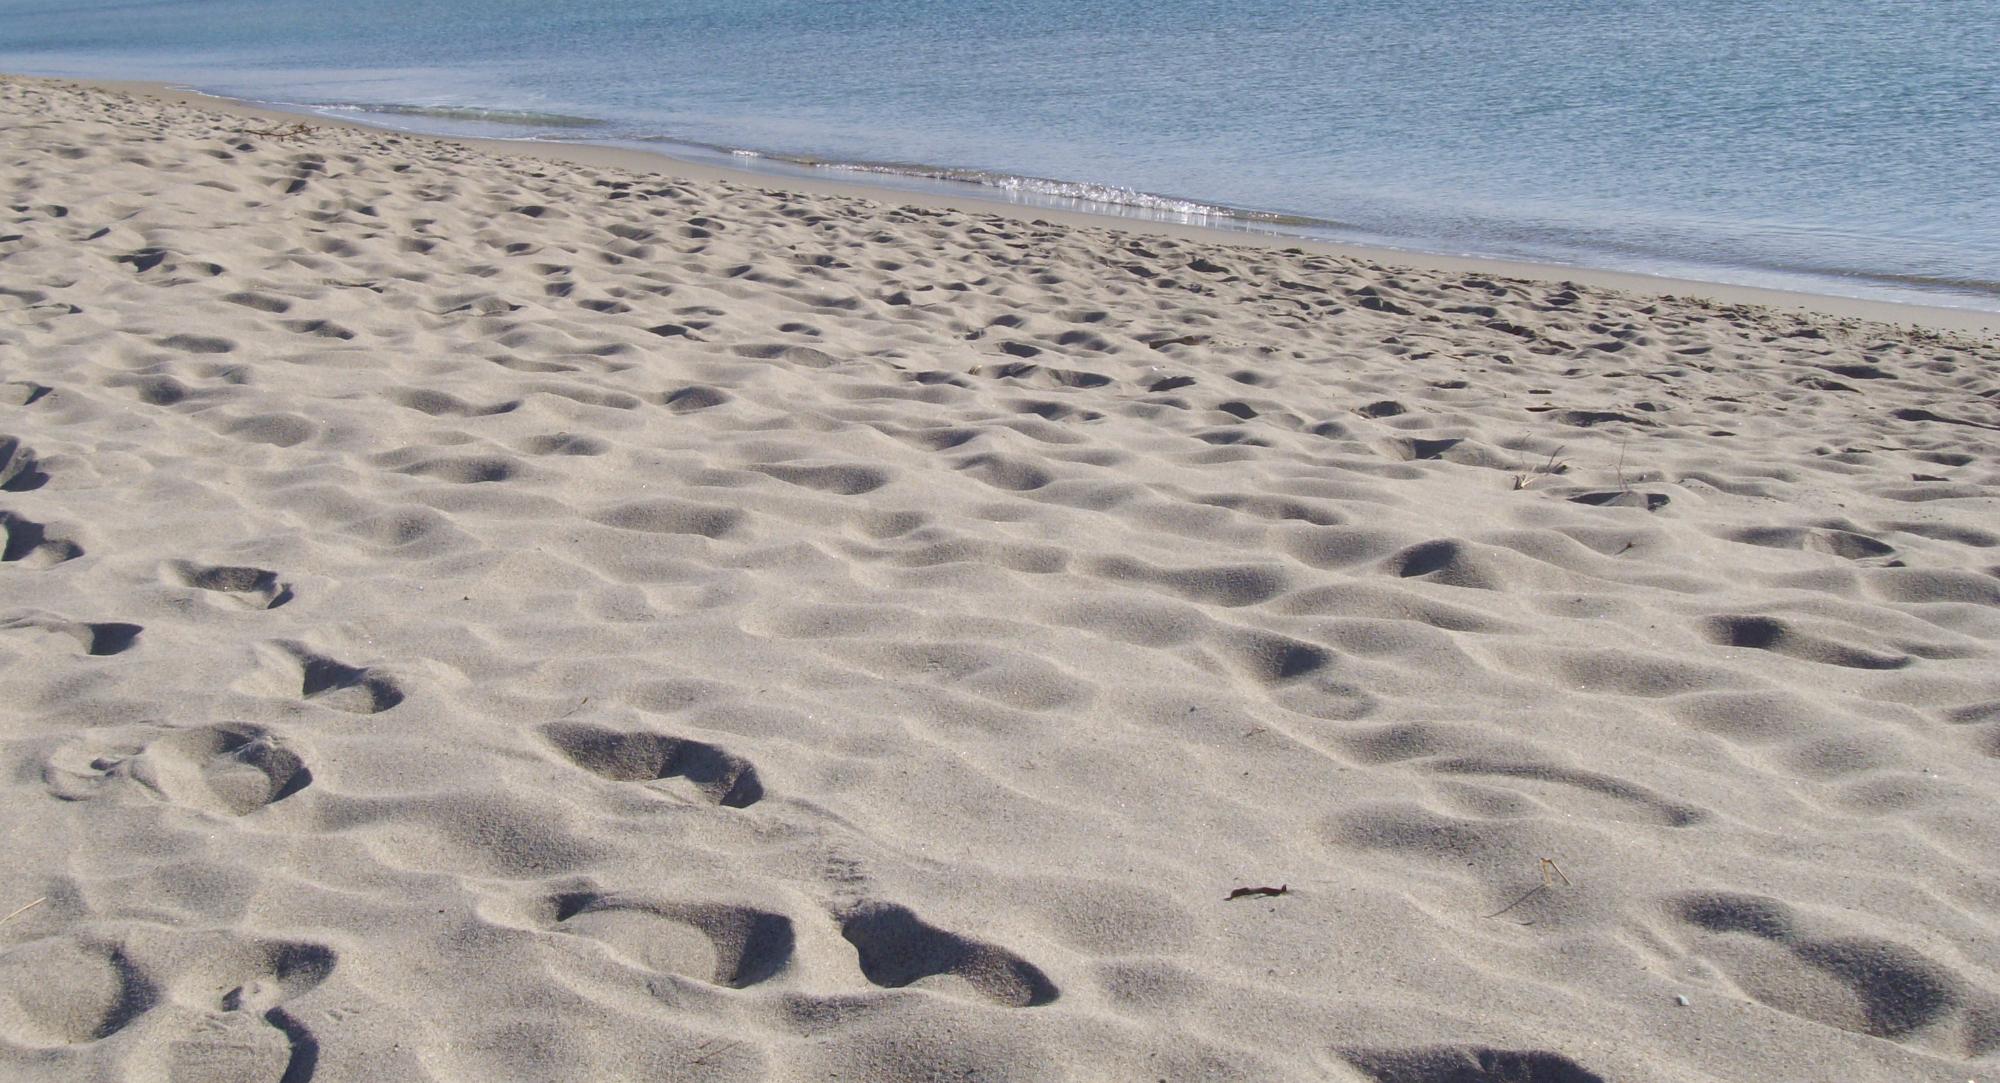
point(1840, 146)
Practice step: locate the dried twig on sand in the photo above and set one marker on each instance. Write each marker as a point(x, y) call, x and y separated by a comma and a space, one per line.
point(19, 910)
point(1551, 872)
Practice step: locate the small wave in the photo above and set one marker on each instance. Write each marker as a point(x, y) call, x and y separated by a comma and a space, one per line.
point(1076, 191)
point(1981, 288)
point(1100, 198)
point(1082, 195)
point(517, 118)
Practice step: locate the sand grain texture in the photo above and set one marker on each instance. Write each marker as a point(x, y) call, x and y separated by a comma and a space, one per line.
point(469, 618)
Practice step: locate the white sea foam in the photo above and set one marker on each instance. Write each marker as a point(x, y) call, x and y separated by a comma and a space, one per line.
point(514, 118)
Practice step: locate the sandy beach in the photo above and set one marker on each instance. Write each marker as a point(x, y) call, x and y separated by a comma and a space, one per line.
point(470, 615)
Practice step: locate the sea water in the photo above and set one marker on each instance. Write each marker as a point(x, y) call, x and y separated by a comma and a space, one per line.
point(1837, 146)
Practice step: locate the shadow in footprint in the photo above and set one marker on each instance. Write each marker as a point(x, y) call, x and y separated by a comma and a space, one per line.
point(234, 768)
point(1655, 807)
point(303, 1060)
point(440, 404)
point(897, 948)
point(565, 443)
point(264, 976)
point(1846, 544)
point(1622, 498)
point(111, 638)
point(463, 469)
point(721, 777)
point(1468, 1064)
point(1447, 561)
point(672, 517)
point(843, 480)
point(356, 685)
point(1417, 449)
point(255, 587)
point(695, 397)
point(268, 974)
point(31, 544)
point(99, 639)
point(1781, 637)
point(329, 681)
point(1226, 585)
point(19, 470)
point(1013, 474)
point(733, 946)
point(1274, 659)
point(23, 393)
point(277, 430)
point(67, 991)
point(1899, 991)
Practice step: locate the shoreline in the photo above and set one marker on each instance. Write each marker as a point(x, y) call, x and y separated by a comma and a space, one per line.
point(605, 155)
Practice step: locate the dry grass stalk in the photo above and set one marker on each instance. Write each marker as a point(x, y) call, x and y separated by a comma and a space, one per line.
point(19, 910)
point(1548, 469)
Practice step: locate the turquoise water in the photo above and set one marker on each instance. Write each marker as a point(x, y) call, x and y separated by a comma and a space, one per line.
point(1838, 146)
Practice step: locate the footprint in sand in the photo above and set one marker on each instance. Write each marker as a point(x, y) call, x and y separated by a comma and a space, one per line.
point(230, 584)
point(295, 669)
point(440, 404)
point(1467, 1064)
point(70, 990)
point(1625, 801)
point(230, 769)
point(252, 978)
point(65, 992)
point(23, 392)
point(31, 544)
point(896, 949)
point(1792, 640)
point(843, 479)
point(460, 469)
point(20, 471)
point(277, 430)
point(694, 397)
point(96, 639)
point(733, 946)
point(1826, 538)
point(720, 777)
point(1863, 984)
point(1451, 753)
point(1622, 498)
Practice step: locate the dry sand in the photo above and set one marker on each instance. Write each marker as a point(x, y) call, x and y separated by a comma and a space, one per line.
point(468, 617)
